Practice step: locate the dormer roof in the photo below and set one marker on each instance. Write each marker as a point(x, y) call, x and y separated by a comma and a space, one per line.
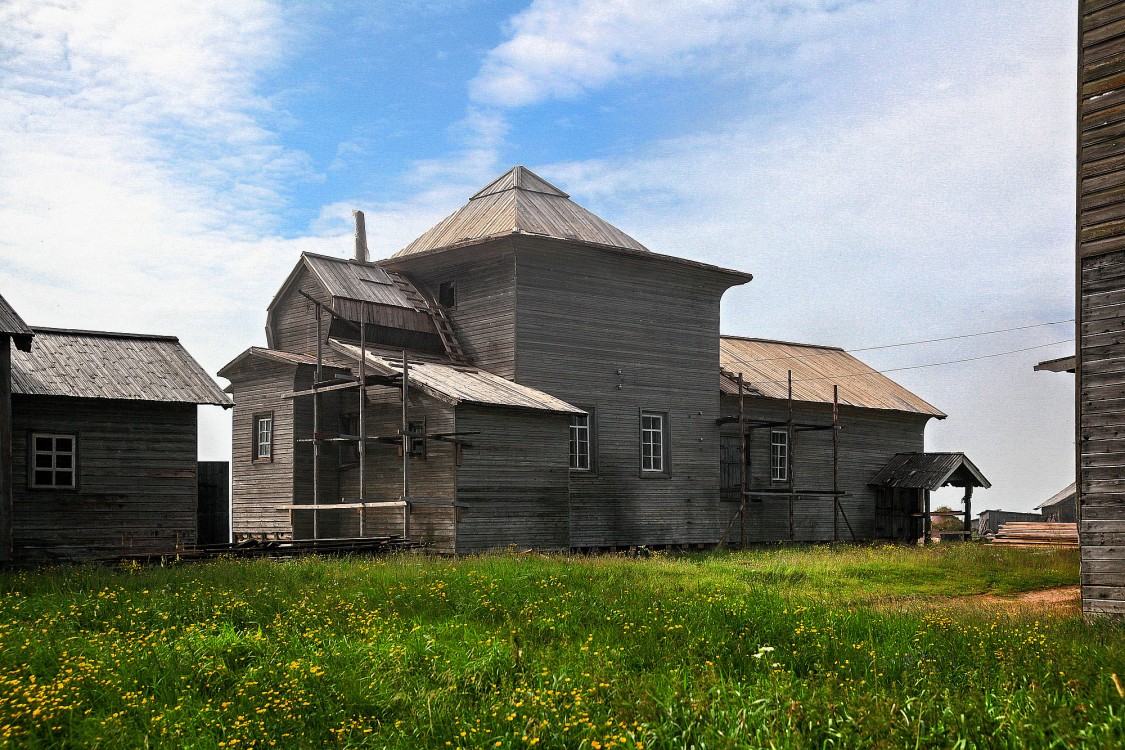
point(520, 202)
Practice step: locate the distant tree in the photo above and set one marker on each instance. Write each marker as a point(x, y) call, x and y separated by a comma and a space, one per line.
point(945, 523)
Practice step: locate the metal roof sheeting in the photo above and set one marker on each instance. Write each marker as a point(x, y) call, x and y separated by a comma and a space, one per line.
point(930, 471)
point(12, 325)
point(521, 202)
point(765, 364)
point(96, 364)
point(456, 384)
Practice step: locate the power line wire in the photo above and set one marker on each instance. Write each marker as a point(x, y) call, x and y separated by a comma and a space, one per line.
point(931, 364)
point(912, 343)
point(963, 336)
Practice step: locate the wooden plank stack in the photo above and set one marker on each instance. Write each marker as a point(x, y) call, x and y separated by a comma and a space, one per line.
point(1037, 534)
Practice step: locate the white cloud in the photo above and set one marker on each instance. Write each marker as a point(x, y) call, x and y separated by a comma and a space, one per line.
point(562, 48)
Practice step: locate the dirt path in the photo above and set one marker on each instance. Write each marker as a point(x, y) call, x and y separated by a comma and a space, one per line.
point(1062, 600)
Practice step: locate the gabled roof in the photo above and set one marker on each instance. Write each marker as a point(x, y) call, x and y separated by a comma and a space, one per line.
point(11, 324)
point(520, 202)
point(1066, 494)
point(765, 365)
point(99, 364)
point(457, 384)
point(930, 471)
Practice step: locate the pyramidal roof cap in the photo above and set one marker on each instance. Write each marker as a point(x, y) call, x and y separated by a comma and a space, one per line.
point(520, 202)
point(519, 178)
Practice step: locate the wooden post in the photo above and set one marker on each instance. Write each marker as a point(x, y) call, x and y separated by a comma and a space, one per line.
point(741, 463)
point(789, 457)
point(362, 407)
point(6, 514)
point(405, 446)
point(968, 513)
point(926, 517)
point(316, 426)
point(836, 463)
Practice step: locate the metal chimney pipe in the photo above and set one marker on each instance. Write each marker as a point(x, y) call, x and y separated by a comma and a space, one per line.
point(360, 237)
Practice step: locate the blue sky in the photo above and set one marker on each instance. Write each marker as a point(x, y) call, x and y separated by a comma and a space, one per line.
point(888, 170)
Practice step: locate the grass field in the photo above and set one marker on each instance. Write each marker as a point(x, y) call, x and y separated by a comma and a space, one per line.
point(845, 647)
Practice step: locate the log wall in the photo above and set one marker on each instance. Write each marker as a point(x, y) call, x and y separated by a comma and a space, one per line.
point(616, 335)
point(513, 482)
point(868, 441)
point(1100, 355)
point(137, 484)
point(262, 490)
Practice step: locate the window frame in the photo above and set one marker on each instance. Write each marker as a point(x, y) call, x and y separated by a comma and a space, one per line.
point(589, 427)
point(665, 433)
point(32, 452)
point(451, 286)
point(783, 464)
point(255, 442)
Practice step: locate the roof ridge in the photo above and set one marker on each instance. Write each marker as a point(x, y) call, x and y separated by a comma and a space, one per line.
point(784, 343)
point(104, 334)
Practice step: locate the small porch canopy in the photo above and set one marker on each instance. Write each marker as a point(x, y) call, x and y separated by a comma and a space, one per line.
point(930, 471)
point(903, 487)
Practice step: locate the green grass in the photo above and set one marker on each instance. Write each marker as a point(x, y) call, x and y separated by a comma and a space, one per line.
point(812, 647)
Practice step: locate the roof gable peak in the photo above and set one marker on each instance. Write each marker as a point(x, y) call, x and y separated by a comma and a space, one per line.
point(519, 178)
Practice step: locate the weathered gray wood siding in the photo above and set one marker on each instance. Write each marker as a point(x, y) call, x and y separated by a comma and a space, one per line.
point(616, 335)
point(137, 483)
point(262, 490)
point(1100, 364)
point(1101, 474)
point(868, 440)
point(294, 321)
point(431, 477)
point(484, 316)
point(513, 481)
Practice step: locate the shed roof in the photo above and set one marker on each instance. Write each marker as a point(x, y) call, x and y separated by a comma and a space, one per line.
point(930, 471)
point(1062, 364)
point(765, 364)
point(11, 324)
point(457, 384)
point(520, 202)
point(99, 364)
point(1066, 494)
point(272, 355)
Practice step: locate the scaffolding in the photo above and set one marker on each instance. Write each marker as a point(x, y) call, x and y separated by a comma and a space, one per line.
point(405, 437)
point(790, 491)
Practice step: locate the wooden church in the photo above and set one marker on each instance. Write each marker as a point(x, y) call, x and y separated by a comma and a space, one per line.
point(527, 374)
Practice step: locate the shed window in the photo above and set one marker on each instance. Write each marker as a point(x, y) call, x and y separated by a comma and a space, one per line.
point(652, 442)
point(447, 294)
point(580, 442)
point(779, 456)
point(263, 437)
point(53, 460)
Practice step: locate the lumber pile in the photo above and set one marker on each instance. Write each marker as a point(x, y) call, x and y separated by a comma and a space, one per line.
point(1037, 534)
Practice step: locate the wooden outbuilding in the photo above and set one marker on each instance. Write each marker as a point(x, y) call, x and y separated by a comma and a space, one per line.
point(14, 334)
point(525, 373)
point(1100, 305)
point(1060, 507)
point(104, 443)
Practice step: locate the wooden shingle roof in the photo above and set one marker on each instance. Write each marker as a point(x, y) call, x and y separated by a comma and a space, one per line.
point(350, 279)
point(98, 364)
point(520, 202)
point(765, 364)
point(11, 324)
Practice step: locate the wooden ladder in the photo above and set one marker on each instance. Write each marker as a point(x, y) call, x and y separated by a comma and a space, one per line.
point(424, 303)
